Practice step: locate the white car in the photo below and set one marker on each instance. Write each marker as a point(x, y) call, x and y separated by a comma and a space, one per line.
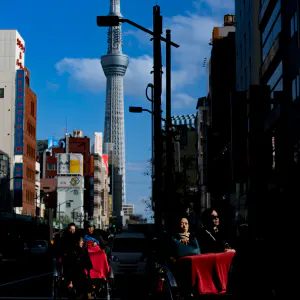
point(127, 254)
point(39, 247)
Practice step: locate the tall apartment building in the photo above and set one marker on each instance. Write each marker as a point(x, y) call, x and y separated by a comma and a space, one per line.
point(221, 83)
point(18, 120)
point(247, 39)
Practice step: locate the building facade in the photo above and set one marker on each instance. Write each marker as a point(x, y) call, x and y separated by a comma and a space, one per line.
point(114, 65)
point(18, 120)
point(221, 83)
point(248, 48)
point(5, 197)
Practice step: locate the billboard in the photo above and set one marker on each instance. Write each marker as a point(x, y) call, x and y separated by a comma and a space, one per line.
point(105, 162)
point(70, 182)
point(18, 185)
point(70, 163)
point(19, 113)
point(52, 143)
point(98, 143)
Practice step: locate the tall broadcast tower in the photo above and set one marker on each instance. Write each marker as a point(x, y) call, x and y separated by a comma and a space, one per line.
point(114, 65)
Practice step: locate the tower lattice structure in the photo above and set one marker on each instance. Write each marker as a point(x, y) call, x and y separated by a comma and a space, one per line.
point(114, 65)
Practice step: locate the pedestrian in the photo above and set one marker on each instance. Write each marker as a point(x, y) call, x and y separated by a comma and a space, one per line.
point(77, 263)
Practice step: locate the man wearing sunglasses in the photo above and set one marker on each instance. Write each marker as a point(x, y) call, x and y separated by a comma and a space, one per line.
point(210, 238)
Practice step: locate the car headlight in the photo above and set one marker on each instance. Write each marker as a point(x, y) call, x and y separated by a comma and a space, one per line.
point(114, 258)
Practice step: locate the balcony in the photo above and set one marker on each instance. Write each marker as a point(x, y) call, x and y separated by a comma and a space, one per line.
point(270, 56)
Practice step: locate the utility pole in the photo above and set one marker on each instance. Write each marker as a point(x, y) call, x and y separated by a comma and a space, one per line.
point(169, 145)
point(157, 31)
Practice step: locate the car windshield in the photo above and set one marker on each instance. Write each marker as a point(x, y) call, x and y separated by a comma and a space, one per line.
point(40, 244)
point(129, 245)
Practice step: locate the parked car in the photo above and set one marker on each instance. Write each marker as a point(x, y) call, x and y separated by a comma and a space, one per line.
point(39, 247)
point(127, 254)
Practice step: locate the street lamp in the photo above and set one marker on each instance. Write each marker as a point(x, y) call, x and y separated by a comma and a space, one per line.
point(74, 213)
point(68, 201)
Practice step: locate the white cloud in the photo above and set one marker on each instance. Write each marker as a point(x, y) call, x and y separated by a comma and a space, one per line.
point(191, 31)
point(182, 100)
point(215, 4)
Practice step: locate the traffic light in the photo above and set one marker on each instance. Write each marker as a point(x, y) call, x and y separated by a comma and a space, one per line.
point(114, 225)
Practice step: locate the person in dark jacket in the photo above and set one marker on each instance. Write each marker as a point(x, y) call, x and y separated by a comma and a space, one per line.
point(95, 237)
point(210, 238)
point(78, 262)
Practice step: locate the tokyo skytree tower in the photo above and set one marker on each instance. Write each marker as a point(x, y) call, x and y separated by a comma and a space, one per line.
point(114, 65)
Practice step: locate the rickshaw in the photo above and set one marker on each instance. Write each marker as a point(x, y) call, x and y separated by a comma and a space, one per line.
point(100, 282)
point(187, 277)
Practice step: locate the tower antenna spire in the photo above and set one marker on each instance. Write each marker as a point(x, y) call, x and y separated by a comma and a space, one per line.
point(114, 65)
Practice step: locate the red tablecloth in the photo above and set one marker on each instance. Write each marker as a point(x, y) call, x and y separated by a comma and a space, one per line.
point(99, 261)
point(204, 273)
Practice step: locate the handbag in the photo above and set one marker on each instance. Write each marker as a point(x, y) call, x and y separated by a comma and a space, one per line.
point(180, 249)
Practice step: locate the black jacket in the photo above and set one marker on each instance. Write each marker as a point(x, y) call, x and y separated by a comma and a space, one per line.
point(77, 261)
point(211, 241)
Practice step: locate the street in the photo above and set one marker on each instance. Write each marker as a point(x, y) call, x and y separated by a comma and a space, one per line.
point(32, 279)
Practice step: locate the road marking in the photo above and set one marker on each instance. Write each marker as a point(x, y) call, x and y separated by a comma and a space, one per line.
point(25, 279)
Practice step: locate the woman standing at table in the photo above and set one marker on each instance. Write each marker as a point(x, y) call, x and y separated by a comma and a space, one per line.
point(210, 238)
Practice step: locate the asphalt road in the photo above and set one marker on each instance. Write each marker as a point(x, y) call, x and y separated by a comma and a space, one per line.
point(26, 278)
point(32, 279)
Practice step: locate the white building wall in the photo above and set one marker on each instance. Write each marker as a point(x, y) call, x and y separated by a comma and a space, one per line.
point(10, 54)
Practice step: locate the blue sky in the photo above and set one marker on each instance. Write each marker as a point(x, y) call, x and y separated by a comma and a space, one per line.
point(63, 49)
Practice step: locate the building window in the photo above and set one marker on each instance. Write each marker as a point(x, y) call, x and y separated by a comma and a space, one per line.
point(32, 109)
point(294, 24)
point(295, 88)
point(51, 167)
point(276, 29)
point(68, 204)
point(2, 93)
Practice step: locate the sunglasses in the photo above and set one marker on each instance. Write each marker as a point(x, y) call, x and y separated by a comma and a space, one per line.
point(215, 217)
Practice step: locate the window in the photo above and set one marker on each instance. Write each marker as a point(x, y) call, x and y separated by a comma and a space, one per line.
point(295, 88)
point(2, 93)
point(32, 108)
point(51, 167)
point(127, 245)
point(271, 21)
point(294, 24)
point(275, 77)
point(68, 204)
point(276, 29)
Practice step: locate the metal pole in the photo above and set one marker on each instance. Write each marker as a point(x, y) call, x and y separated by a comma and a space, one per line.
point(157, 28)
point(169, 146)
point(59, 215)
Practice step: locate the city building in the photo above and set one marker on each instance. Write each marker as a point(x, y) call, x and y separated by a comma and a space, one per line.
point(77, 144)
point(70, 189)
point(5, 199)
point(221, 83)
point(114, 65)
point(39, 203)
point(128, 209)
point(202, 125)
point(185, 162)
point(115, 191)
point(247, 41)
point(100, 188)
point(18, 114)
